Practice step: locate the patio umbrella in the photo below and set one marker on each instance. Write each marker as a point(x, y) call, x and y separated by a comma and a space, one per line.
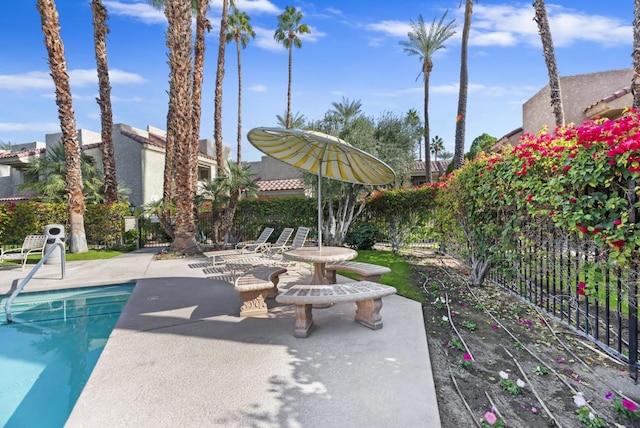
point(323, 155)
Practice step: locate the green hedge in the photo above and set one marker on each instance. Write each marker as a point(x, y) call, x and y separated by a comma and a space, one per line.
point(102, 222)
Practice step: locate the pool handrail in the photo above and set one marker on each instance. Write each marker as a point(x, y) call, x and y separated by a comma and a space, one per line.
point(7, 306)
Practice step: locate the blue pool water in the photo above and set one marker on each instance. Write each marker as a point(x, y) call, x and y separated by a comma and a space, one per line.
point(49, 351)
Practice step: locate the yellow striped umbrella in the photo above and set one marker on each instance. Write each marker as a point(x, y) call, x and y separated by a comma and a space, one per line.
point(323, 155)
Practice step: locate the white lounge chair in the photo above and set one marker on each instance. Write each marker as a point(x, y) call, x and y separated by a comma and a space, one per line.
point(31, 244)
point(247, 247)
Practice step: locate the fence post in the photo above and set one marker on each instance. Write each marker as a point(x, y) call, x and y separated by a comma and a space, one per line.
point(633, 291)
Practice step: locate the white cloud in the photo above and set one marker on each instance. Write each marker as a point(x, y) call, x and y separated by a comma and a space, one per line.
point(143, 12)
point(40, 127)
point(334, 11)
point(264, 40)
point(257, 88)
point(78, 78)
point(257, 6)
point(391, 28)
point(505, 25)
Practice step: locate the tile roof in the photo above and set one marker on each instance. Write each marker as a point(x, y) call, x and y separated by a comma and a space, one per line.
point(611, 97)
point(22, 153)
point(154, 140)
point(439, 166)
point(275, 185)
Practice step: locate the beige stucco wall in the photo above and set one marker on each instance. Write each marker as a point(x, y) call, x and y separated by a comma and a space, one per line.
point(272, 169)
point(578, 93)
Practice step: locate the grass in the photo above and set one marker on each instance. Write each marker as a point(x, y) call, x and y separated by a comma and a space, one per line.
point(399, 277)
point(89, 255)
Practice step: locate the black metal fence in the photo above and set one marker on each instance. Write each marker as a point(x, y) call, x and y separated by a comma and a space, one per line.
point(569, 278)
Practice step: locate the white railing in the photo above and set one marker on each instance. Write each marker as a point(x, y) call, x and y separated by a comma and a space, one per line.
point(7, 307)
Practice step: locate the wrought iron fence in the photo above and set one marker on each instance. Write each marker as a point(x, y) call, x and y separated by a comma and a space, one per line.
point(549, 269)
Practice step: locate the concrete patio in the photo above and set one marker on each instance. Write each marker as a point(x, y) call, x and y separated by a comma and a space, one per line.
point(181, 356)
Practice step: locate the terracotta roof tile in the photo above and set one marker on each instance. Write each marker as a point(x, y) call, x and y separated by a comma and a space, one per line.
point(154, 140)
point(617, 94)
point(439, 166)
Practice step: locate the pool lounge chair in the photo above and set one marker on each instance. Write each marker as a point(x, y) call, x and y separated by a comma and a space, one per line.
point(32, 244)
point(247, 247)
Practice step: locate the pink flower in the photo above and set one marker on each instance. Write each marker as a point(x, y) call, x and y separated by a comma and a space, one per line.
point(491, 418)
point(629, 405)
point(608, 395)
point(617, 222)
point(573, 200)
point(618, 244)
point(467, 357)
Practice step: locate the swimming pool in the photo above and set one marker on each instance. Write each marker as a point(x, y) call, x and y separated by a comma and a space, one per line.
point(49, 351)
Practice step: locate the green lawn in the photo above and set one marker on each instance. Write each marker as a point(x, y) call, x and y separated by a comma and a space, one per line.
point(400, 276)
point(89, 255)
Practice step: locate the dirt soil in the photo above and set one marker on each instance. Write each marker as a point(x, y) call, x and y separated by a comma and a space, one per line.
point(503, 333)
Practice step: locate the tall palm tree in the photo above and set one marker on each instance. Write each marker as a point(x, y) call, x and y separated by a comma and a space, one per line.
point(346, 110)
point(217, 114)
point(424, 42)
point(58, 67)
point(414, 121)
point(239, 29)
point(179, 121)
point(461, 117)
point(635, 81)
point(100, 31)
point(202, 24)
point(289, 27)
point(550, 60)
point(298, 120)
point(199, 8)
point(437, 146)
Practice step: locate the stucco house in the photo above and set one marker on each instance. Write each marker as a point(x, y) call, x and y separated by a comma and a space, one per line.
point(584, 97)
point(139, 157)
point(277, 179)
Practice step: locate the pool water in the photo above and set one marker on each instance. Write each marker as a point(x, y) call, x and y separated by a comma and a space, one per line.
point(49, 351)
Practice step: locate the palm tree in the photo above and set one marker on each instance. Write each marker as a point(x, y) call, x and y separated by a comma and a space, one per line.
point(413, 120)
point(179, 121)
point(289, 27)
point(100, 31)
point(635, 81)
point(238, 181)
point(437, 146)
point(239, 30)
point(424, 43)
point(461, 117)
point(346, 110)
point(550, 60)
point(217, 114)
point(202, 24)
point(51, 171)
point(297, 121)
point(446, 155)
point(73, 177)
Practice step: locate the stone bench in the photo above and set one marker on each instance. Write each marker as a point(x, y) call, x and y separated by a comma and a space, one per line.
point(366, 294)
point(254, 286)
point(367, 271)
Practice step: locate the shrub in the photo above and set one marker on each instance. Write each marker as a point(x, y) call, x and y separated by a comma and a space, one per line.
point(363, 237)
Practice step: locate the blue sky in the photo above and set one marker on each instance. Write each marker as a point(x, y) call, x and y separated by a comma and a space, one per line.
point(352, 52)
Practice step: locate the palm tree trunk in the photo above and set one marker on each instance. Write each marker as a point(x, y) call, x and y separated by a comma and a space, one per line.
point(635, 81)
point(427, 145)
point(550, 60)
point(58, 67)
point(217, 116)
point(289, 85)
point(100, 31)
point(461, 117)
point(178, 14)
point(198, 72)
point(239, 158)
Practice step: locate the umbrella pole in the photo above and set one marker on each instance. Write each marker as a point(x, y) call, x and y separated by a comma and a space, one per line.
point(319, 208)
